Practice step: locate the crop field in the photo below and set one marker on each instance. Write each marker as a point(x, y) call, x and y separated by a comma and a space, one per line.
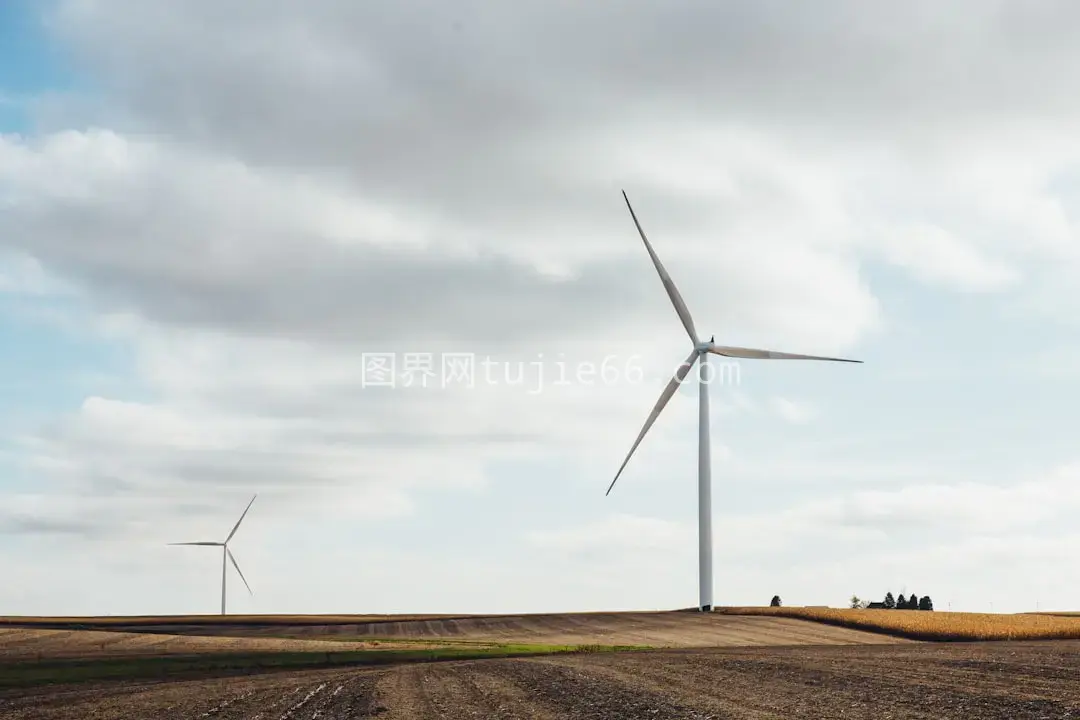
point(724, 627)
point(939, 626)
point(653, 629)
point(743, 663)
point(1058, 613)
point(36, 644)
point(147, 621)
point(990, 681)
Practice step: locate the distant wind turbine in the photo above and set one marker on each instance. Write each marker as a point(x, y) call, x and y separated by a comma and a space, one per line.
point(226, 553)
point(700, 352)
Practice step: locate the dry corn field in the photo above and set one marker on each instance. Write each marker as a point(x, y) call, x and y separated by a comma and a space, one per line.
point(934, 625)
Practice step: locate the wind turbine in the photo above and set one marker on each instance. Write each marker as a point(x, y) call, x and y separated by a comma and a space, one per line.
point(700, 353)
point(226, 553)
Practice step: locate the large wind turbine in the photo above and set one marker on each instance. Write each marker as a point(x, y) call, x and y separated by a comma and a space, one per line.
point(226, 553)
point(700, 352)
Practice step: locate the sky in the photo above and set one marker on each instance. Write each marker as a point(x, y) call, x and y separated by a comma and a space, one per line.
point(216, 219)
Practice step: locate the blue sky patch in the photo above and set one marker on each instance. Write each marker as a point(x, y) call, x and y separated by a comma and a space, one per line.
point(29, 63)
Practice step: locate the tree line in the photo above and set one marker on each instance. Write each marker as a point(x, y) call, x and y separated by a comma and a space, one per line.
point(912, 602)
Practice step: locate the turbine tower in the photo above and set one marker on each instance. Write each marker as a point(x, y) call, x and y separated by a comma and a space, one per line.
point(700, 353)
point(226, 553)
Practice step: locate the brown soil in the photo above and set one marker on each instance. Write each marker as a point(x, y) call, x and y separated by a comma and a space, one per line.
point(989, 681)
point(33, 644)
point(659, 629)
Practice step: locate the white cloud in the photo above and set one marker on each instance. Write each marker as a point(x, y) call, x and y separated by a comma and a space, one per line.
point(24, 275)
point(622, 531)
point(937, 538)
point(949, 509)
point(936, 256)
point(792, 410)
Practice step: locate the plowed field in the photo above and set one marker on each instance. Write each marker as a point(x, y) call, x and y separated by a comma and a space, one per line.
point(659, 629)
point(990, 681)
point(34, 644)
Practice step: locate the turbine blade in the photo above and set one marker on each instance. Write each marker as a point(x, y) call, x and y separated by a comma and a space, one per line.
point(237, 525)
point(750, 353)
point(672, 386)
point(233, 561)
point(669, 284)
point(211, 544)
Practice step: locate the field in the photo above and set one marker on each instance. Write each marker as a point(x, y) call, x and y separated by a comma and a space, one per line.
point(653, 629)
point(918, 625)
point(760, 663)
point(987, 681)
point(35, 644)
point(1058, 614)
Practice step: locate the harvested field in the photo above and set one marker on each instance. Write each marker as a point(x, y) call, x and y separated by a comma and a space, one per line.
point(34, 644)
point(656, 629)
point(919, 625)
point(146, 621)
point(652, 629)
point(989, 681)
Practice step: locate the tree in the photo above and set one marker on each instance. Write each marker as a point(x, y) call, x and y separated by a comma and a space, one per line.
point(901, 602)
point(913, 602)
point(890, 601)
point(775, 601)
point(925, 603)
point(855, 602)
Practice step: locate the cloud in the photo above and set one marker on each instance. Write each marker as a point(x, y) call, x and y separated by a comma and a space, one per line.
point(622, 531)
point(201, 242)
point(792, 410)
point(936, 256)
point(928, 531)
point(25, 275)
point(24, 524)
point(934, 511)
point(921, 512)
point(249, 294)
point(845, 68)
point(253, 198)
point(231, 415)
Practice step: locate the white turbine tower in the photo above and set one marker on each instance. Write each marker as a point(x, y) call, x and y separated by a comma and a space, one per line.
point(700, 352)
point(226, 553)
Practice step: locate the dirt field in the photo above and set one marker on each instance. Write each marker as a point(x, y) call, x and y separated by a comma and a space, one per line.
point(105, 622)
point(978, 680)
point(659, 629)
point(34, 644)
